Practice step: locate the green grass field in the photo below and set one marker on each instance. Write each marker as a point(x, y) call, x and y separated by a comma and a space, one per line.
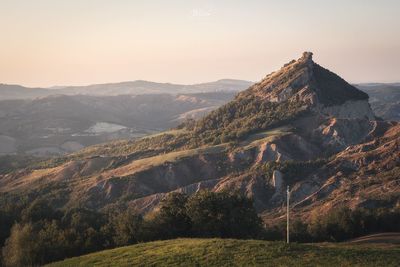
point(230, 252)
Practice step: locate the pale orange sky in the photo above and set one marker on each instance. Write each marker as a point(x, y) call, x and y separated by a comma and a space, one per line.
point(49, 42)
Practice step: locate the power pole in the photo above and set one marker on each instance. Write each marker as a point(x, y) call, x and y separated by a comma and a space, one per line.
point(287, 214)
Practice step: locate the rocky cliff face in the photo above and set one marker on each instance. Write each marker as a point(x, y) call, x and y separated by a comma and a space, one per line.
point(363, 175)
point(327, 153)
point(304, 80)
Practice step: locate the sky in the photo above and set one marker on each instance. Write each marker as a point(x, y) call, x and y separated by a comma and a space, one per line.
point(76, 42)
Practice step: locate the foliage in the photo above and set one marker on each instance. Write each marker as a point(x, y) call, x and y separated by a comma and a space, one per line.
point(123, 227)
point(39, 210)
point(342, 223)
point(21, 248)
point(338, 225)
point(204, 214)
point(170, 221)
point(244, 116)
point(222, 215)
point(43, 234)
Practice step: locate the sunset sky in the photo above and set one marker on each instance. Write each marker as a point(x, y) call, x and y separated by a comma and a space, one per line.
point(74, 42)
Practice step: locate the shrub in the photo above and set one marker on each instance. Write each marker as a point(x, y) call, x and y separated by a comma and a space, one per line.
point(223, 215)
point(170, 220)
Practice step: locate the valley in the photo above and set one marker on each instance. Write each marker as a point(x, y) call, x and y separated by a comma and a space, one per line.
point(57, 125)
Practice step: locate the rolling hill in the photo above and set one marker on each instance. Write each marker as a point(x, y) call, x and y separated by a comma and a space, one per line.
point(230, 252)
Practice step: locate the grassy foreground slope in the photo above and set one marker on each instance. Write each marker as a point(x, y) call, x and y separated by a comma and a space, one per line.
point(231, 252)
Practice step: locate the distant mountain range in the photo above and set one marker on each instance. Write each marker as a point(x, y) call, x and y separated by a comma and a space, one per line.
point(123, 88)
point(384, 99)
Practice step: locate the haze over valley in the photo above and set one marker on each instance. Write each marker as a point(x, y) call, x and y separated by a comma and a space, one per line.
point(65, 120)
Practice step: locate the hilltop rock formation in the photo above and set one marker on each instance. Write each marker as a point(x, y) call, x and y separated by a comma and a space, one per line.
point(304, 80)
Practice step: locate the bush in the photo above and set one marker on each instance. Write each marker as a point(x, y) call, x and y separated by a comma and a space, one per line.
point(170, 220)
point(39, 210)
point(124, 227)
point(223, 215)
point(342, 223)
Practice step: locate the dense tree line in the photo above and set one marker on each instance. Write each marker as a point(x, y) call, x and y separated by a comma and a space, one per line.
point(37, 233)
point(339, 224)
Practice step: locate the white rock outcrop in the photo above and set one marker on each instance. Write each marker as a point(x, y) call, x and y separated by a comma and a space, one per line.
point(359, 109)
point(277, 180)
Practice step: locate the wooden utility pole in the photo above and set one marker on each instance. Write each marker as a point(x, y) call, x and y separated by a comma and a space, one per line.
point(287, 214)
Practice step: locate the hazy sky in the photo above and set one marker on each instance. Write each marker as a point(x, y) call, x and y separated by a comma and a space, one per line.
point(63, 42)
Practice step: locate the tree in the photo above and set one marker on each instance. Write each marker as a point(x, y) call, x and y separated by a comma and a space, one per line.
point(21, 248)
point(223, 215)
point(50, 242)
point(39, 210)
point(298, 231)
point(126, 227)
point(170, 220)
point(6, 222)
point(83, 230)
